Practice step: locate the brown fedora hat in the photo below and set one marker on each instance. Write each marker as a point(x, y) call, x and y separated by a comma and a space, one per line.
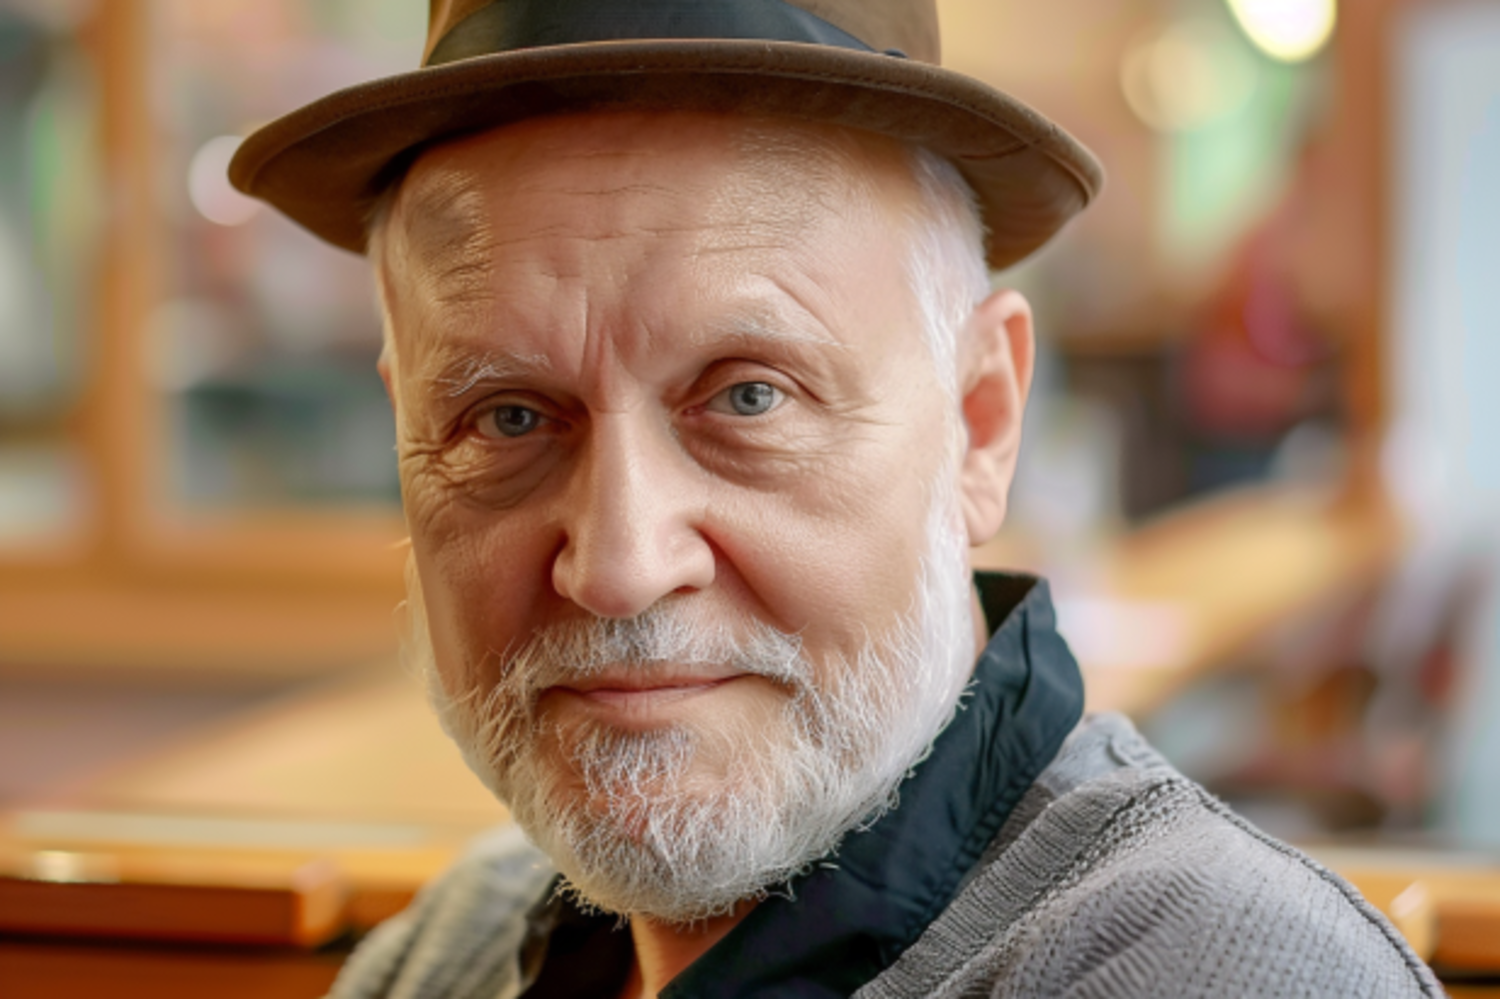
point(867, 64)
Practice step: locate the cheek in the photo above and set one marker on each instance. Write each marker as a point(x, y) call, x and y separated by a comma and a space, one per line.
point(483, 579)
point(836, 557)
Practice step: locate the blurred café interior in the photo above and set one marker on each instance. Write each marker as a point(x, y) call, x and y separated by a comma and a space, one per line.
point(1262, 468)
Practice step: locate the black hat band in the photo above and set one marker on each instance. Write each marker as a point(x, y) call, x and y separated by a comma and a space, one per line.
point(507, 25)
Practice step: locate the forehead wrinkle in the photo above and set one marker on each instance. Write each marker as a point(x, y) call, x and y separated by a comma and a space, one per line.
point(617, 190)
point(791, 178)
point(759, 325)
point(446, 235)
point(729, 236)
point(568, 234)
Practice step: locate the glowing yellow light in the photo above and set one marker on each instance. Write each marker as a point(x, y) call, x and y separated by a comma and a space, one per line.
point(1289, 30)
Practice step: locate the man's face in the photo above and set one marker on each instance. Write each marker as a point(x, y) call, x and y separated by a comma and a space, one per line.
point(674, 454)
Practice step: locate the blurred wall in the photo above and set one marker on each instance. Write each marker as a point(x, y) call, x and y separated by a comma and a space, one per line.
point(1445, 352)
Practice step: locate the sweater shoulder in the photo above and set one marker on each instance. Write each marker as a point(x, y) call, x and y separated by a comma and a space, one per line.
point(461, 936)
point(1118, 876)
point(1182, 892)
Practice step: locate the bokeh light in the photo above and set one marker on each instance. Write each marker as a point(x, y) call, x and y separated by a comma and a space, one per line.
point(209, 187)
point(1288, 30)
point(1187, 74)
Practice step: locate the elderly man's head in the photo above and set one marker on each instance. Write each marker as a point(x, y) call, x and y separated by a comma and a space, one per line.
point(697, 416)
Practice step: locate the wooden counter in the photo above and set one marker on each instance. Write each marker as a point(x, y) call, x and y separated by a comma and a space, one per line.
point(1150, 611)
point(355, 772)
point(247, 860)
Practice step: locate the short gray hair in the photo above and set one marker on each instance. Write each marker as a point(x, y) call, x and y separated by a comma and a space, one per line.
point(948, 271)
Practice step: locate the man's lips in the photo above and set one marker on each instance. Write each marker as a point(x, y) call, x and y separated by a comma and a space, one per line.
point(643, 689)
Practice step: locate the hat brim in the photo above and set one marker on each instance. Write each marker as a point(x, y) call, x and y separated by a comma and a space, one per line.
point(325, 164)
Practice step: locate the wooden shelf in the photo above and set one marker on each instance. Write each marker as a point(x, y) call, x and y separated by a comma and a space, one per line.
point(356, 774)
point(362, 750)
point(144, 586)
point(193, 634)
point(174, 897)
point(39, 969)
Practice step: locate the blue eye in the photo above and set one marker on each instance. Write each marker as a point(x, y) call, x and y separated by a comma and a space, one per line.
point(747, 399)
point(509, 421)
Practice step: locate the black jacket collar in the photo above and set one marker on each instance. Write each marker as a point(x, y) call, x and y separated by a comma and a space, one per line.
point(848, 920)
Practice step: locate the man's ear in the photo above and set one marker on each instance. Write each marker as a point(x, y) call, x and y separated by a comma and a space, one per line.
point(995, 364)
point(386, 365)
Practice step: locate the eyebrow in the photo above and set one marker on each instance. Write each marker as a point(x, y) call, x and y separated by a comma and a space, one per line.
point(461, 372)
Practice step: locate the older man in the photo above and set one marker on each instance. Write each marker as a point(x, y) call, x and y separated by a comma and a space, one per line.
point(702, 397)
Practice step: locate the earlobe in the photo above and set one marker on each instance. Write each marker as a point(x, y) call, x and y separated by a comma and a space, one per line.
point(386, 364)
point(384, 367)
point(995, 377)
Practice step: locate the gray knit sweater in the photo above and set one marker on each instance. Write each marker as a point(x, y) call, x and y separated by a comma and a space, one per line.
point(1114, 877)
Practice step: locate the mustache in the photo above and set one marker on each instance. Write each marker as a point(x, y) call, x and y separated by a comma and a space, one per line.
point(667, 634)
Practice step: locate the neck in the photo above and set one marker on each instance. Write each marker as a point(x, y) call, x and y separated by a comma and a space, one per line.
point(663, 950)
point(981, 626)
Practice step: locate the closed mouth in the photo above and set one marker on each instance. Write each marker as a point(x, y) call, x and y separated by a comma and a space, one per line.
point(640, 690)
point(639, 679)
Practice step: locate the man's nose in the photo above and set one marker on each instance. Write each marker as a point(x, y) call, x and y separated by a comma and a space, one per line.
point(631, 518)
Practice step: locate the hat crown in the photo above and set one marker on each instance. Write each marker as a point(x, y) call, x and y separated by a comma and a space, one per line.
point(909, 26)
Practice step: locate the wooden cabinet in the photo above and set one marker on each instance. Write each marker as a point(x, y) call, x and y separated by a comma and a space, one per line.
point(195, 540)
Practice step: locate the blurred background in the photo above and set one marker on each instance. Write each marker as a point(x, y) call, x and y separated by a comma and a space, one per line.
point(1262, 465)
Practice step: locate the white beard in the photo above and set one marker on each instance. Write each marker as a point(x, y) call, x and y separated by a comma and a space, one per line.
point(630, 828)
